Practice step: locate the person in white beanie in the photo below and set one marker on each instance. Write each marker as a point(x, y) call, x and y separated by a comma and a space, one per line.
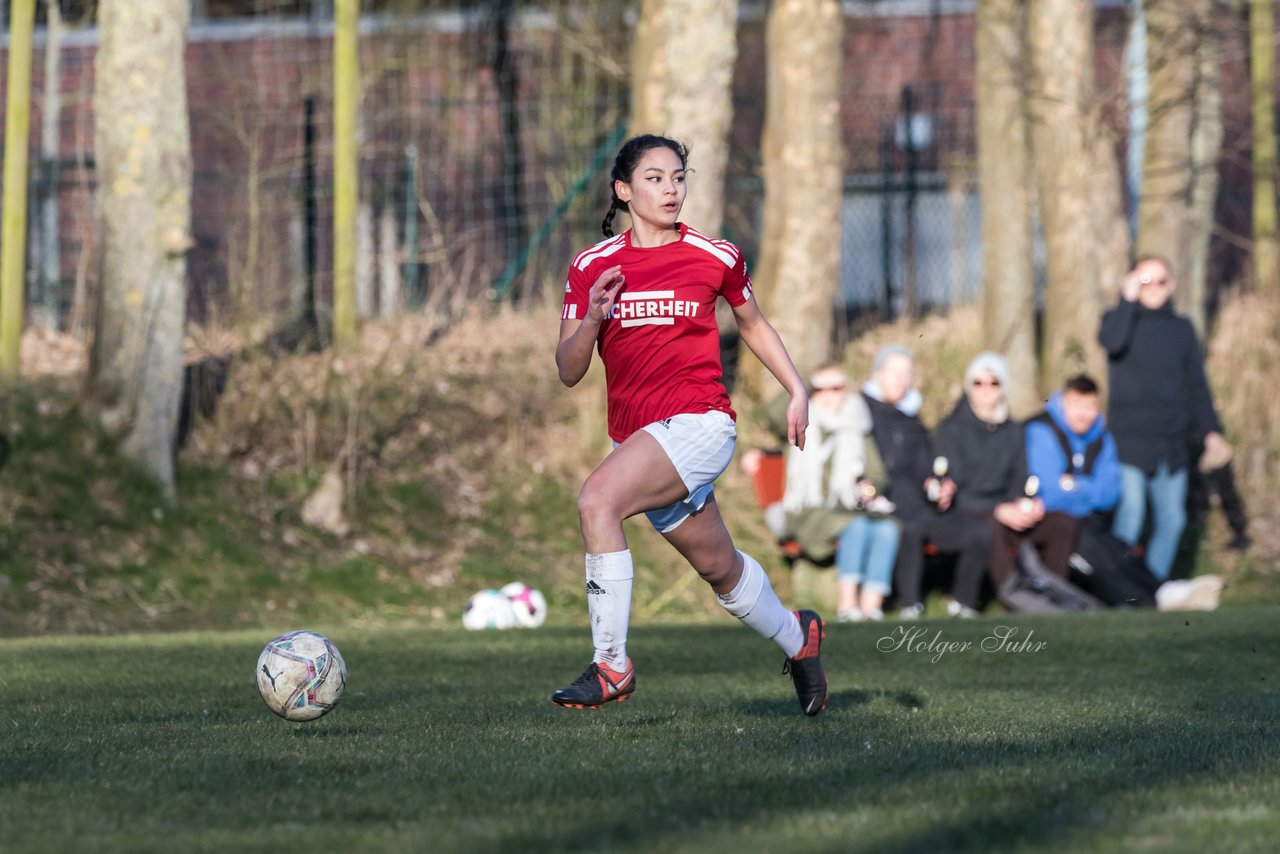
point(986, 457)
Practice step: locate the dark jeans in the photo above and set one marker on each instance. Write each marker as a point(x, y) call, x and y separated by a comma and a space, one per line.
point(1223, 482)
point(966, 535)
point(1054, 536)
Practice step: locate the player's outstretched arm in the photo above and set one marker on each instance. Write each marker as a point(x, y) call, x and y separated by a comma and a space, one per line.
point(578, 337)
point(759, 335)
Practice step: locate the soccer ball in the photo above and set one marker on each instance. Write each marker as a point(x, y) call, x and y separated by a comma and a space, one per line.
point(488, 609)
point(301, 675)
point(528, 605)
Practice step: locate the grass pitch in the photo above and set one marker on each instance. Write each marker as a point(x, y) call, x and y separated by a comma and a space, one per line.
point(1115, 731)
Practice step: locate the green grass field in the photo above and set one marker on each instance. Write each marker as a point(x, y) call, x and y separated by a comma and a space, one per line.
point(1122, 731)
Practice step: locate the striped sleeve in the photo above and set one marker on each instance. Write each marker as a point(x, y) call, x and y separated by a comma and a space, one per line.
point(735, 282)
point(736, 288)
point(578, 284)
point(575, 295)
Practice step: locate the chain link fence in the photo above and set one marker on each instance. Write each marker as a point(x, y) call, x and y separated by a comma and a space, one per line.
point(486, 132)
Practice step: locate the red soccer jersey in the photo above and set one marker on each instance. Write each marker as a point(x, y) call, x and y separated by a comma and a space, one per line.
point(660, 345)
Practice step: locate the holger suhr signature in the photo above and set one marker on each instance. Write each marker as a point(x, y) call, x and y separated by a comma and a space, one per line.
point(926, 641)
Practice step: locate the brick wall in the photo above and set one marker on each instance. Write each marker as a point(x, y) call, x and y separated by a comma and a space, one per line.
point(248, 82)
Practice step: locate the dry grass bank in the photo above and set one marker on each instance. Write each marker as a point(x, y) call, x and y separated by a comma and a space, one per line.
point(459, 456)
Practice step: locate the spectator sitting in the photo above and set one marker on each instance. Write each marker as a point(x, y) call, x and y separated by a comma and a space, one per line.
point(986, 457)
point(1086, 482)
point(831, 502)
point(1073, 455)
point(907, 452)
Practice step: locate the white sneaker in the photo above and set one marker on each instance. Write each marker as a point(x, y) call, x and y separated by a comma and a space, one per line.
point(912, 612)
point(1194, 594)
point(850, 615)
point(964, 612)
point(875, 615)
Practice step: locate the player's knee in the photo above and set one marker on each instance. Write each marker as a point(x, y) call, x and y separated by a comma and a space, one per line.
point(715, 573)
point(718, 566)
point(596, 506)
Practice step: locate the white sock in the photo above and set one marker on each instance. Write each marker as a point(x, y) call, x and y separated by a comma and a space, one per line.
point(754, 603)
point(609, 603)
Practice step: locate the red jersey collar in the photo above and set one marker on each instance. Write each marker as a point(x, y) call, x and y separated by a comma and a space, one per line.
point(684, 229)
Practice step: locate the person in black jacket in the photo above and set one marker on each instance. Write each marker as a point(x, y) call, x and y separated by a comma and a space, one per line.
point(986, 457)
point(1159, 397)
point(908, 456)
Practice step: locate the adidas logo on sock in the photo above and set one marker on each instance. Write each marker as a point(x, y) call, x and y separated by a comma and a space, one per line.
point(594, 589)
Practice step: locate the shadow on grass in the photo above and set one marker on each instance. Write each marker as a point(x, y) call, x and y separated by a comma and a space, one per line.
point(839, 703)
point(1141, 720)
point(1085, 745)
point(1059, 803)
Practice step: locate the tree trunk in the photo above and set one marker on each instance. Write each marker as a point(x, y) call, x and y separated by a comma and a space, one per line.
point(366, 261)
point(144, 218)
point(1178, 37)
point(803, 166)
point(682, 79)
point(1005, 177)
point(1060, 42)
point(1266, 239)
point(45, 312)
point(1111, 223)
point(390, 286)
point(1206, 149)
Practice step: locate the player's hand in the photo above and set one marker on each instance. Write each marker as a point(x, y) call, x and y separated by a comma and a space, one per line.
point(604, 293)
point(797, 419)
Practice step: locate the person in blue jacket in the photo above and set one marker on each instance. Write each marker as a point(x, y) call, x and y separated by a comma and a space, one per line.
point(1072, 454)
point(1074, 457)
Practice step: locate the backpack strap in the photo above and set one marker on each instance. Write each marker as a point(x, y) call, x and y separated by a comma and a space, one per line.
point(1076, 463)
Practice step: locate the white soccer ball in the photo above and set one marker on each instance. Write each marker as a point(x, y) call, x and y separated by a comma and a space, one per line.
point(528, 604)
point(488, 609)
point(301, 675)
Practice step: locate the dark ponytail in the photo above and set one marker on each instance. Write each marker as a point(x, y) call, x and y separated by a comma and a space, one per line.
point(616, 205)
point(625, 164)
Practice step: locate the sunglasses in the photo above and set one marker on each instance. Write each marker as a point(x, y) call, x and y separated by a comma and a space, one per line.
point(1147, 280)
point(840, 387)
point(986, 383)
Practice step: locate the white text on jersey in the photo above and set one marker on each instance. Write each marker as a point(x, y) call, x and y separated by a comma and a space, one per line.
point(652, 308)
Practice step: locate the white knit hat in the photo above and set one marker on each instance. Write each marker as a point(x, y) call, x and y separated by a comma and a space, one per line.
point(988, 362)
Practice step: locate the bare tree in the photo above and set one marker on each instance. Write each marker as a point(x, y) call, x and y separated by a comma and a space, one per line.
point(1005, 176)
point(803, 164)
point(144, 204)
point(1184, 133)
point(1064, 122)
point(1206, 149)
point(682, 77)
point(1266, 238)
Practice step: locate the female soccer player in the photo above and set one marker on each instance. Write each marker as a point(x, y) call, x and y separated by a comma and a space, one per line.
point(646, 299)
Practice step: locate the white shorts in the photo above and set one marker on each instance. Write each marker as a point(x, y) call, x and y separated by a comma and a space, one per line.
point(701, 448)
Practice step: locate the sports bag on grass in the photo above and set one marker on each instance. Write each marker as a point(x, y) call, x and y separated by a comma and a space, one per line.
point(1034, 589)
point(1108, 568)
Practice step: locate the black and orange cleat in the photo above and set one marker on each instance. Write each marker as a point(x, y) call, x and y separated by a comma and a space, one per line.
point(597, 685)
point(806, 668)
